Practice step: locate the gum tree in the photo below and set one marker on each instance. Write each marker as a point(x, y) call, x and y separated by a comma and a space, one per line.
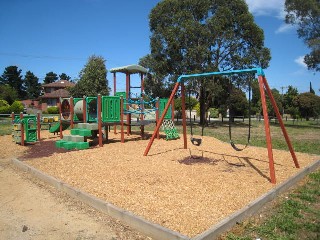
point(93, 79)
point(306, 16)
point(194, 36)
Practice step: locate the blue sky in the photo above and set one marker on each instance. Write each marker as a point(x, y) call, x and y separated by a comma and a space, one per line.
point(60, 35)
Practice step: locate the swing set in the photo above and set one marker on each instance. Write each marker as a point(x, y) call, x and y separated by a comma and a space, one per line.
point(264, 88)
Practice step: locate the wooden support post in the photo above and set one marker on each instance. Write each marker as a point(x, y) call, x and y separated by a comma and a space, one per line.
point(284, 131)
point(172, 110)
point(184, 119)
point(114, 84)
point(114, 94)
point(84, 109)
point(38, 126)
point(267, 130)
point(60, 110)
point(121, 119)
point(127, 106)
point(175, 89)
point(142, 105)
point(22, 129)
point(157, 116)
point(71, 102)
point(99, 121)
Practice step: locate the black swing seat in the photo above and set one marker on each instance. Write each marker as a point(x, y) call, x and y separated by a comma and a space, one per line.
point(233, 145)
point(196, 141)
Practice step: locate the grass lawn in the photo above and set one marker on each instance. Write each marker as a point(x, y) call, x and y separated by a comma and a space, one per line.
point(304, 136)
point(293, 216)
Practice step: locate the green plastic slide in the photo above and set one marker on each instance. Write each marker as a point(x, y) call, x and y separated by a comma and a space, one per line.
point(56, 127)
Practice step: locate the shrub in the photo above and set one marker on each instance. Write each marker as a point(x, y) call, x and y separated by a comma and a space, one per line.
point(53, 110)
point(5, 110)
point(4, 103)
point(17, 107)
point(214, 112)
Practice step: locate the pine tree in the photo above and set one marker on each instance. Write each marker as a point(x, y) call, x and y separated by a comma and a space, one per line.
point(12, 77)
point(32, 85)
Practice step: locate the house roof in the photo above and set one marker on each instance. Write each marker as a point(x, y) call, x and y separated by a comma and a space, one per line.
point(129, 69)
point(63, 93)
point(59, 84)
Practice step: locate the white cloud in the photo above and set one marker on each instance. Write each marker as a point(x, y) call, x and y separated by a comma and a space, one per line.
point(267, 8)
point(284, 28)
point(300, 61)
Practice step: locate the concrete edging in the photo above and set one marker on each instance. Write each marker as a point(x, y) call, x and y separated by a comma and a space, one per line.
point(227, 223)
point(146, 227)
point(157, 231)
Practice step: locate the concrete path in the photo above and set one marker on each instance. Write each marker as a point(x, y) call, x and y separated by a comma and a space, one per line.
point(29, 209)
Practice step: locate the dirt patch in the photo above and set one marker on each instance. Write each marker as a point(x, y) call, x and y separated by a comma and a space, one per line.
point(168, 187)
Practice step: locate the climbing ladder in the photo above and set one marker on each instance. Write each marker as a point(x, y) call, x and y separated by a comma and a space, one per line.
point(169, 129)
point(78, 137)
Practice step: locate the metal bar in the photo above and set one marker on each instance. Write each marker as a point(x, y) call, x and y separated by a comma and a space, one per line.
point(284, 131)
point(267, 130)
point(259, 71)
point(184, 119)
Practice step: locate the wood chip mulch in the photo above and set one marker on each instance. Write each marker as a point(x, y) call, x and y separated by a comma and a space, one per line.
point(168, 187)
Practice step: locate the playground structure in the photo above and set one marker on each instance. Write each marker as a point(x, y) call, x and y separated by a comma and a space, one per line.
point(25, 128)
point(94, 115)
point(263, 86)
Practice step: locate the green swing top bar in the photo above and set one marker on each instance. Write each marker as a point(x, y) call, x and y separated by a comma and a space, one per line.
point(259, 71)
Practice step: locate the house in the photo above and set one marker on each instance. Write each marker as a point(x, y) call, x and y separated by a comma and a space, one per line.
point(54, 91)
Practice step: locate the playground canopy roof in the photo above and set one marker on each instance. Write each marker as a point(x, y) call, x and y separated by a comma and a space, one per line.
point(131, 69)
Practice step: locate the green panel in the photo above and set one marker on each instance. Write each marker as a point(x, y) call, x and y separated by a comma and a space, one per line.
point(162, 104)
point(123, 94)
point(75, 100)
point(31, 135)
point(92, 109)
point(110, 109)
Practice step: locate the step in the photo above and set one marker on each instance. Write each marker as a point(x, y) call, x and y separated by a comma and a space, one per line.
point(92, 126)
point(85, 132)
point(77, 138)
point(69, 145)
point(82, 145)
point(74, 131)
point(59, 143)
point(67, 137)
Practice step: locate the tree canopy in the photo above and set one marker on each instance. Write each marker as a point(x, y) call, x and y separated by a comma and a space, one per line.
point(193, 36)
point(64, 76)
point(93, 79)
point(12, 77)
point(306, 15)
point(32, 85)
point(50, 78)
